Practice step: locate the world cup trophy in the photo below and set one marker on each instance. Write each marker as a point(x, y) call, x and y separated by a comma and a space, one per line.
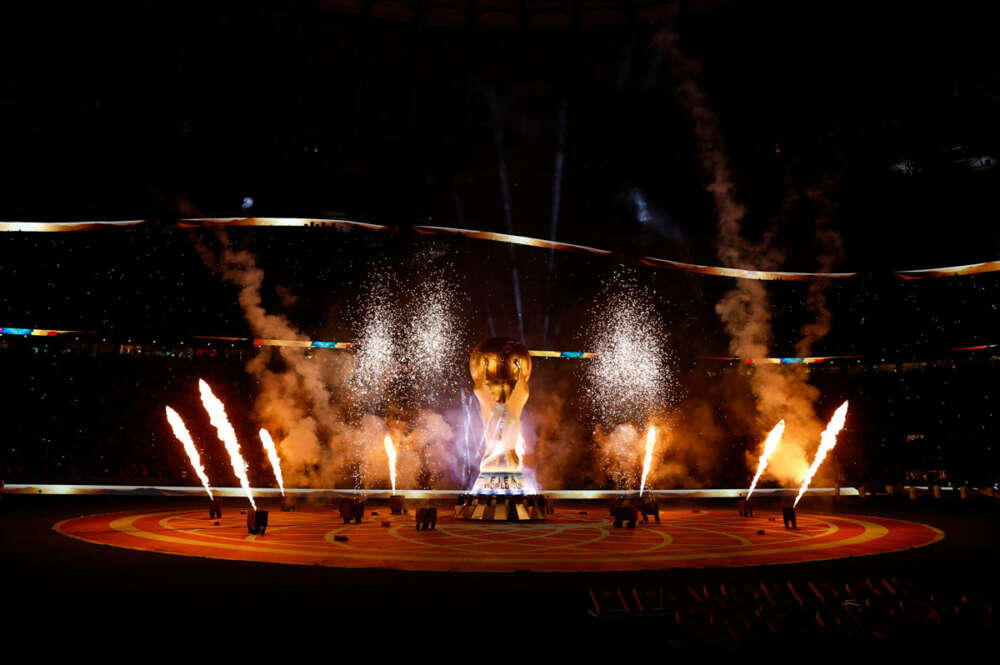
point(500, 371)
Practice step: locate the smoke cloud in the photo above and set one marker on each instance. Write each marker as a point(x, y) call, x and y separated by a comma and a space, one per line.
point(557, 445)
point(745, 311)
point(831, 252)
point(320, 407)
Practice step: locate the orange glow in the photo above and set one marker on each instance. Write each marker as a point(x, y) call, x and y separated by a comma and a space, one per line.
point(182, 434)
point(217, 414)
point(827, 441)
point(390, 452)
point(272, 456)
point(770, 445)
point(648, 459)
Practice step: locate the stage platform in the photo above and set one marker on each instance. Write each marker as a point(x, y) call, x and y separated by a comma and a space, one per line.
point(569, 541)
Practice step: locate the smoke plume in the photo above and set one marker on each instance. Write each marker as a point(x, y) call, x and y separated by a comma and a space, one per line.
point(831, 252)
point(779, 392)
point(319, 406)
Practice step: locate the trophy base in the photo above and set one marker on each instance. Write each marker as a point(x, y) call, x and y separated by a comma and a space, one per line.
point(501, 496)
point(500, 482)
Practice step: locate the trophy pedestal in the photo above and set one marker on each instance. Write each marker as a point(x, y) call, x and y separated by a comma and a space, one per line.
point(500, 482)
point(501, 496)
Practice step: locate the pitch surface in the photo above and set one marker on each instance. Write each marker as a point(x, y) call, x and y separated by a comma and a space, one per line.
point(568, 541)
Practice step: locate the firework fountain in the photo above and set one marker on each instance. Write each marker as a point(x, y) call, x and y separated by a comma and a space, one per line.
point(629, 379)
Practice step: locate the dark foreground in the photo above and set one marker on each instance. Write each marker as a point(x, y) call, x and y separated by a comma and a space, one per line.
point(68, 597)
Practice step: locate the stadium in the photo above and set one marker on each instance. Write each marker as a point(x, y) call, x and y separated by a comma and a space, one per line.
point(629, 329)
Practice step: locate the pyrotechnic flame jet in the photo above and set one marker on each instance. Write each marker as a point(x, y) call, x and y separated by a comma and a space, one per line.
point(217, 414)
point(648, 459)
point(390, 452)
point(770, 445)
point(182, 434)
point(272, 456)
point(827, 441)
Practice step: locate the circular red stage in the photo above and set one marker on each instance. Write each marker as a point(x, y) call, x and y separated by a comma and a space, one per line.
point(568, 541)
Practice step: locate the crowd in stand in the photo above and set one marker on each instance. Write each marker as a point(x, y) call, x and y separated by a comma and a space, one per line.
point(79, 419)
point(731, 616)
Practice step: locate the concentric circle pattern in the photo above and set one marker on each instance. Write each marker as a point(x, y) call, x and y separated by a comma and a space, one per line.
point(568, 541)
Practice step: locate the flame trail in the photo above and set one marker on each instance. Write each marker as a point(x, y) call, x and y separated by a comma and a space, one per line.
point(770, 445)
point(390, 452)
point(181, 432)
point(827, 441)
point(272, 455)
point(217, 414)
point(648, 459)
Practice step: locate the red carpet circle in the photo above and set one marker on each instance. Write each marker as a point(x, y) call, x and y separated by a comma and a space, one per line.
point(566, 542)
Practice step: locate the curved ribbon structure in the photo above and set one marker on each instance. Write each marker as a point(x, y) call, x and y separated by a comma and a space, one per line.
point(653, 262)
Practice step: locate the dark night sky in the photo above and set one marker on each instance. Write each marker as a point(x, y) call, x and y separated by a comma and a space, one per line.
point(129, 110)
point(124, 110)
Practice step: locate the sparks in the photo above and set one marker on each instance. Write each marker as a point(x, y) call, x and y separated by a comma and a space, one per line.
point(182, 434)
point(272, 455)
point(648, 459)
point(376, 366)
point(217, 414)
point(632, 371)
point(770, 445)
point(390, 451)
point(827, 441)
point(433, 339)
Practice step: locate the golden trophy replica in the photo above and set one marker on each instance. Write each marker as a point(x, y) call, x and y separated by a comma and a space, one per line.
point(500, 371)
